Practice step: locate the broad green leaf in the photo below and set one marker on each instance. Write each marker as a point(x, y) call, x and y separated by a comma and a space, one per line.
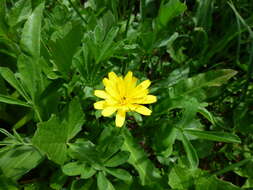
point(214, 78)
point(120, 173)
point(214, 136)
point(19, 160)
point(31, 76)
point(168, 11)
point(109, 142)
point(103, 183)
point(73, 117)
point(190, 152)
point(28, 63)
point(51, 137)
point(148, 173)
point(64, 46)
point(164, 138)
point(19, 12)
point(30, 39)
point(88, 171)
point(85, 151)
point(9, 76)
point(11, 100)
point(72, 168)
point(117, 159)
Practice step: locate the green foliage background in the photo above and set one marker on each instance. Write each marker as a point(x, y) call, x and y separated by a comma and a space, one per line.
point(198, 55)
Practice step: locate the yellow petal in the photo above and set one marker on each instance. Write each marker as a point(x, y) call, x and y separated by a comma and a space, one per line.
point(120, 118)
point(128, 77)
point(144, 85)
point(149, 99)
point(121, 87)
point(142, 110)
point(105, 81)
point(101, 94)
point(99, 105)
point(108, 111)
point(138, 93)
point(112, 91)
point(112, 77)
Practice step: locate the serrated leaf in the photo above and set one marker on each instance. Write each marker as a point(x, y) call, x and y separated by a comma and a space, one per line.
point(148, 173)
point(214, 136)
point(73, 117)
point(52, 135)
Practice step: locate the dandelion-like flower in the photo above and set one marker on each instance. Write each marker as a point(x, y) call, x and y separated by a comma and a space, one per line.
point(122, 95)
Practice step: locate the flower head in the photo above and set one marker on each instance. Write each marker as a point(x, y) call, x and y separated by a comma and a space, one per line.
point(122, 95)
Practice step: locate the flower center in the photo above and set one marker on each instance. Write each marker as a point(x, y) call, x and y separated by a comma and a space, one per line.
point(123, 100)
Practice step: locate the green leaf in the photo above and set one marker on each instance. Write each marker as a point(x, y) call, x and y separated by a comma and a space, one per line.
point(212, 183)
point(72, 168)
point(19, 160)
point(107, 45)
point(204, 14)
point(164, 138)
point(190, 152)
point(182, 178)
point(213, 78)
point(103, 182)
point(51, 137)
point(214, 136)
point(120, 173)
point(19, 12)
point(168, 11)
point(117, 159)
point(73, 117)
point(64, 46)
point(30, 39)
point(9, 76)
point(11, 100)
point(85, 151)
point(78, 168)
point(109, 142)
point(148, 173)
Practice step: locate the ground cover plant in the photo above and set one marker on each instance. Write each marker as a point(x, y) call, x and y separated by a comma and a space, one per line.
point(125, 95)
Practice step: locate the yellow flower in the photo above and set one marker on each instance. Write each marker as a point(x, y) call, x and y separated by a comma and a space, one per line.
point(123, 95)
